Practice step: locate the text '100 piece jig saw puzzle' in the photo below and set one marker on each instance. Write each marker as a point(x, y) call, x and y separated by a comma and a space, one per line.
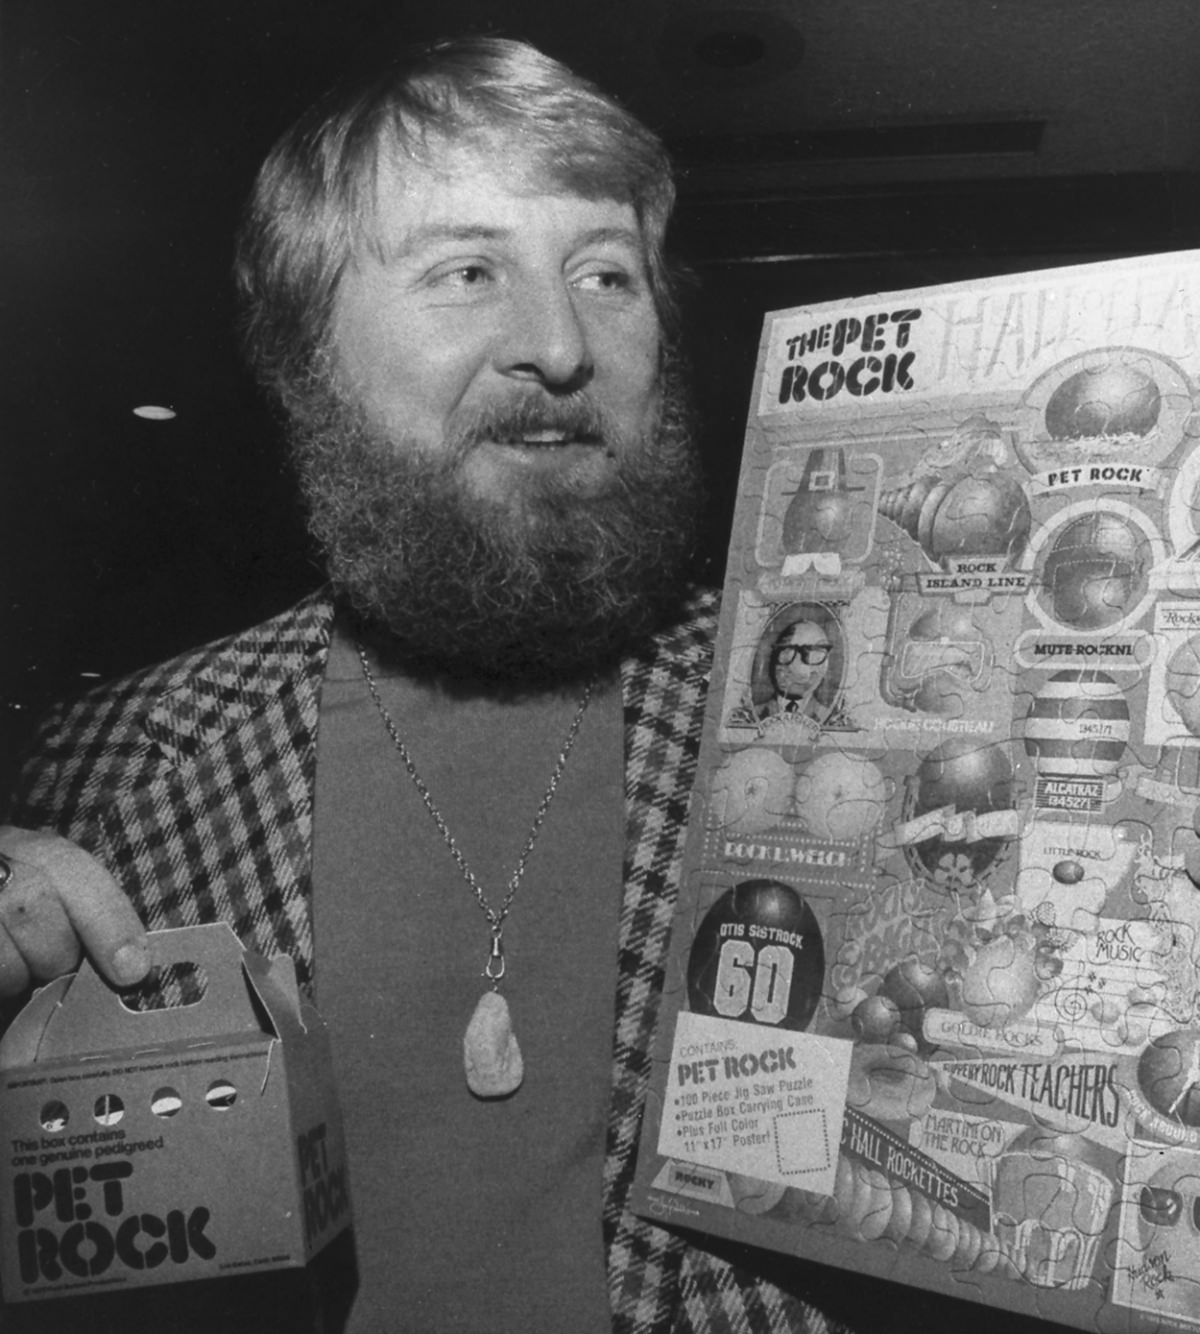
point(933, 1009)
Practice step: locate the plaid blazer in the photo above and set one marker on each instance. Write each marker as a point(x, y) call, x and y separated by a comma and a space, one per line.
point(193, 783)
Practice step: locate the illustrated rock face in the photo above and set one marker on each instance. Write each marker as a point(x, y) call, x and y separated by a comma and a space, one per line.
point(1169, 1075)
point(965, 776)
point(1183, 683)
point(1001, 983)
point(758, 957)
point(752, 791)
point(914, 988)
point(1103, 401)
point(1078, 724)
point(1094, 573)
point(840, 796)
point(941, 657)
point(822, 514)
point(875, 1019)
point(960, 515)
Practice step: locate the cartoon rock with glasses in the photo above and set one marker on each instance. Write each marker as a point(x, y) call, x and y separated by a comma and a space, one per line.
point(796, 678)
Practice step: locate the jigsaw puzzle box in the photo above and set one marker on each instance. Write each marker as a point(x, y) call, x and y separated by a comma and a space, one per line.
point(933, 1006)
point(152, 1146)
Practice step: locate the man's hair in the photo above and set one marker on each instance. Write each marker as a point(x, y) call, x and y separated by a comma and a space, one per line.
point(313, 202)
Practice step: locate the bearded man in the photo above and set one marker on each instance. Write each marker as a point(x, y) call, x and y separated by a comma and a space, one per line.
point(452, 785)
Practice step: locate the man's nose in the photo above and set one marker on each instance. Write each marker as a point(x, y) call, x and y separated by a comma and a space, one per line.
point(545, 340)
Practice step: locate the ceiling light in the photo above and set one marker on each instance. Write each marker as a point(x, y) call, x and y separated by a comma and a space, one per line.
point(728, 45)
point(729, 49)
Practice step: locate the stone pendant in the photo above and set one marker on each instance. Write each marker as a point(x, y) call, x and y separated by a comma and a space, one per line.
point(490, 1053)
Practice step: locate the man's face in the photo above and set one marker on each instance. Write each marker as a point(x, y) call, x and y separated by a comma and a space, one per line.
point(800, 659)
point(495, 447)
point(506, 325)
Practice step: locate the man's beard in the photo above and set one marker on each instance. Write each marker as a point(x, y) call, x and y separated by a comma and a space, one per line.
point(554, 584)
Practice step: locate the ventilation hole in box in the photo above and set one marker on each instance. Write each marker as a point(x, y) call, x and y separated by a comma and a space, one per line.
point(109, 1109)
point(171, 987)
point(221, 1094)
point(54, 1116)
point(166, 1102)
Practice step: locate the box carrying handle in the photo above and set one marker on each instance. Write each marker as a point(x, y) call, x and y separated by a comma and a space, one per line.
point(93, 1017)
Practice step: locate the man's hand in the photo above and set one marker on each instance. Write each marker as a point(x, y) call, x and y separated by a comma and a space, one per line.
point(56, 902)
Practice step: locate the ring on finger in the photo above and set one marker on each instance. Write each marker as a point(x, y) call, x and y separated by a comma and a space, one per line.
point(6, 870)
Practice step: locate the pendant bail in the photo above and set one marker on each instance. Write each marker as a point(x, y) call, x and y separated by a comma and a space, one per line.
point(494, 968)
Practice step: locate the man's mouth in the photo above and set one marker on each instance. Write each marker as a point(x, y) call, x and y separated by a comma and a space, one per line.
point(534, 425)
point(540, 439)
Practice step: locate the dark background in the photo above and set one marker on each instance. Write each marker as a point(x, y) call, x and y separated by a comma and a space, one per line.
point(825, 149)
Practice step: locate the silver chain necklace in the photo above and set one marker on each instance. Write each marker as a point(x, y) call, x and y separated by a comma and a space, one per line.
point(491, 1056)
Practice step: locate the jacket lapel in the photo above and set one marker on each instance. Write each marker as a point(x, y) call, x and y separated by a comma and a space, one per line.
point(219, 825)
point(664, 693)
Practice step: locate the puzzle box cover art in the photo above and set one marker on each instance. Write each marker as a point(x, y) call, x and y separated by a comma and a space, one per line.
point(932, 1010)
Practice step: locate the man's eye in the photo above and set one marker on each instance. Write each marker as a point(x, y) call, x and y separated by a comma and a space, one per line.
point(605, 280)
point(465, 275)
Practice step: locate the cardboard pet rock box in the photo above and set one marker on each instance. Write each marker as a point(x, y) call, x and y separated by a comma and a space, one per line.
point(194, 1140)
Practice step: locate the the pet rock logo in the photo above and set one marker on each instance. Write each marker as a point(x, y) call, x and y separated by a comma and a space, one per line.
point(73, 1223)
point(325, 1196)
point(861, 358)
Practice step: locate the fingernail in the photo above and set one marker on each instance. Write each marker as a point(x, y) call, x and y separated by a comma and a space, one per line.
point(131, 963)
